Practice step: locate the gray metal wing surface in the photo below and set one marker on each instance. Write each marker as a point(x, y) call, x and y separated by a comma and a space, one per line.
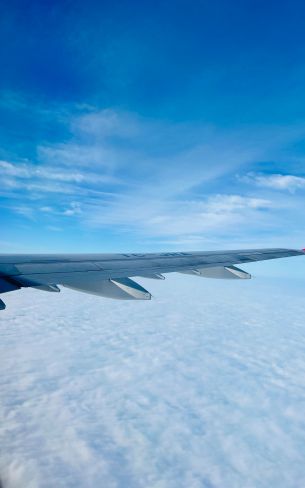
point(109, 275)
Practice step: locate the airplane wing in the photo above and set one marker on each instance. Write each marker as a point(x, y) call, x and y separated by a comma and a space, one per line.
point(109, 275)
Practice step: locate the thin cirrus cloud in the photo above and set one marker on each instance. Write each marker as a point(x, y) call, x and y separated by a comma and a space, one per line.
point(29, 171)
point(124, 172)
point(276, 181)
point(175, 218)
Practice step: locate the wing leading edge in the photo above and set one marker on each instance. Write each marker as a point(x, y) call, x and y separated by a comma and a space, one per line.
point(109, 275)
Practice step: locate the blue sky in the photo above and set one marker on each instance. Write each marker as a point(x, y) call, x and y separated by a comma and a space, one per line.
point(133, 125)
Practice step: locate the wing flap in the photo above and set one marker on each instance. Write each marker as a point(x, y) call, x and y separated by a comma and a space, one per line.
point(220, 272)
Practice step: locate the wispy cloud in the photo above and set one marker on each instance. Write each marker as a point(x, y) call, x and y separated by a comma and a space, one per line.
point(74, 209)
point(275, 181)
point(36, 172)
point(181, 217)
point(123, 172)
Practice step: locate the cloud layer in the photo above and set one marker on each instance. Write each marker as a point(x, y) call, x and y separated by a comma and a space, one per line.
point(202, 387)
